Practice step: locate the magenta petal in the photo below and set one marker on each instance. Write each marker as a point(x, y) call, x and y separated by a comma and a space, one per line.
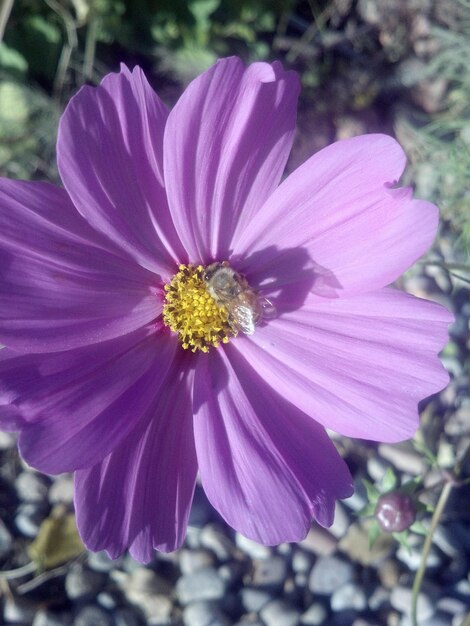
point(358, 366)
point(110, 157)
point(265, 466)
point(63, 285)
point(226, 144)
point(139, 497)
point(78, 406)
point(341, 207)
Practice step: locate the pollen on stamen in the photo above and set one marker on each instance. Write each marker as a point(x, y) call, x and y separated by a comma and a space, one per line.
point(191, 312)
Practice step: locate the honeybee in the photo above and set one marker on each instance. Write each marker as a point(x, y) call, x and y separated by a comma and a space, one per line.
point(245, 306)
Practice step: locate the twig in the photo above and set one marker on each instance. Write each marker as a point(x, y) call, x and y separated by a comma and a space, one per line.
point(5, 11)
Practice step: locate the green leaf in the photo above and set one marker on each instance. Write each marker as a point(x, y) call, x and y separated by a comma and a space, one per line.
point(402, 539)
point(389, 480)
point(12, 61)
point(367, 510)
point(374, 533)
point(57, 541)
point(418, 528)
point(373, 493)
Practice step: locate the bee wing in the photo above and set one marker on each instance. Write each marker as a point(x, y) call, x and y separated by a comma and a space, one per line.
point(244, 318)
point(268, 308)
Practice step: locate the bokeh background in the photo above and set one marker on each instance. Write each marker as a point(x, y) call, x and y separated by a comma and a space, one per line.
point(395, 66)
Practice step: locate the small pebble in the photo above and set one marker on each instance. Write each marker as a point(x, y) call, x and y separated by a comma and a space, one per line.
point(319, 541)
point(7, 440)
point(92, 615)
point(82, 583)
point(253, 600)
point(204, 614)
point(100, 562)
point(18, 611)
point(213, 538)
point(315, 615)
point(348, 596)
point(403, 457)
point(205, 584)
point(192, 560)
point(61, 490)
point(29, 519)
point(400, 599)
point(251, 548)
point(341, 521)
point(329, 573)
point(269, 573)
point(31, 487)
point(302, 561)
point(279, 613)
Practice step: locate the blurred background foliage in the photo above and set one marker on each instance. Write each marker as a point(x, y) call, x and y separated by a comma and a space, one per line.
point(366, 65)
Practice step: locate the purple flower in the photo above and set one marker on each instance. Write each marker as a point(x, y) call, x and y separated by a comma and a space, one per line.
point(126, 363)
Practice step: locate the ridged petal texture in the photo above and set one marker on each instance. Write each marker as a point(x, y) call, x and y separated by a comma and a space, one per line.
point(94, 381)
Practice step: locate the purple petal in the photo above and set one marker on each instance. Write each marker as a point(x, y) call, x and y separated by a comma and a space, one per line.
point(62, 286)
point(265, 466)
point(341, 208)
point(110, 157)
point(139, 497)
point(226, 145)
point(77, 406)
point(358, 366)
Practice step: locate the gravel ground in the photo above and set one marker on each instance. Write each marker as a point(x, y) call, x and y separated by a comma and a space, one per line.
point(220, 578)
point(331, 578)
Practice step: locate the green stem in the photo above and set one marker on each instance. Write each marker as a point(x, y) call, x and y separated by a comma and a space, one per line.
point(445, 493)
point(441, 503)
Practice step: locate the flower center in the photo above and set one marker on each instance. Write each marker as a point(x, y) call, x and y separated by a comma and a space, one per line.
point(191, 311)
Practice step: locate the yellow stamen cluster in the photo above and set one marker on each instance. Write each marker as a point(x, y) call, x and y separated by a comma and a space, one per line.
point(192, 312)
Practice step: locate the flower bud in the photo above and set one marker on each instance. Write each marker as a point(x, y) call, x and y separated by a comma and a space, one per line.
point(395, 512)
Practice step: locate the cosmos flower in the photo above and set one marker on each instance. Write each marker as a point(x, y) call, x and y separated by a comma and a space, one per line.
point(176, 309)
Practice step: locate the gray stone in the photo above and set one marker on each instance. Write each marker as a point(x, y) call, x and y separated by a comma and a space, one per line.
point(400, 599)
point(82, 583)
point(328, 573)
point(253, 600)
point(341, 521)
point(61, 490)
point(18, 611)
point(251, 548)
point(7, 440)
point(205, 584)
point(192, 560)
point(280, 613)
point(48, 618)
point(454, 606)
point(204, 613)
point(302, 561)
point(29, 519)
point(315, 615)
point(248, 622)
point(100, 562)
point(269, 573)
point(91, 615)
point(412, 557)
point(106, 600)
point(31, 487)
point(6, 540)
point(348, 596)
point(213, 538)
point(438, 619)
point(403, 457)
point(379, 598)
